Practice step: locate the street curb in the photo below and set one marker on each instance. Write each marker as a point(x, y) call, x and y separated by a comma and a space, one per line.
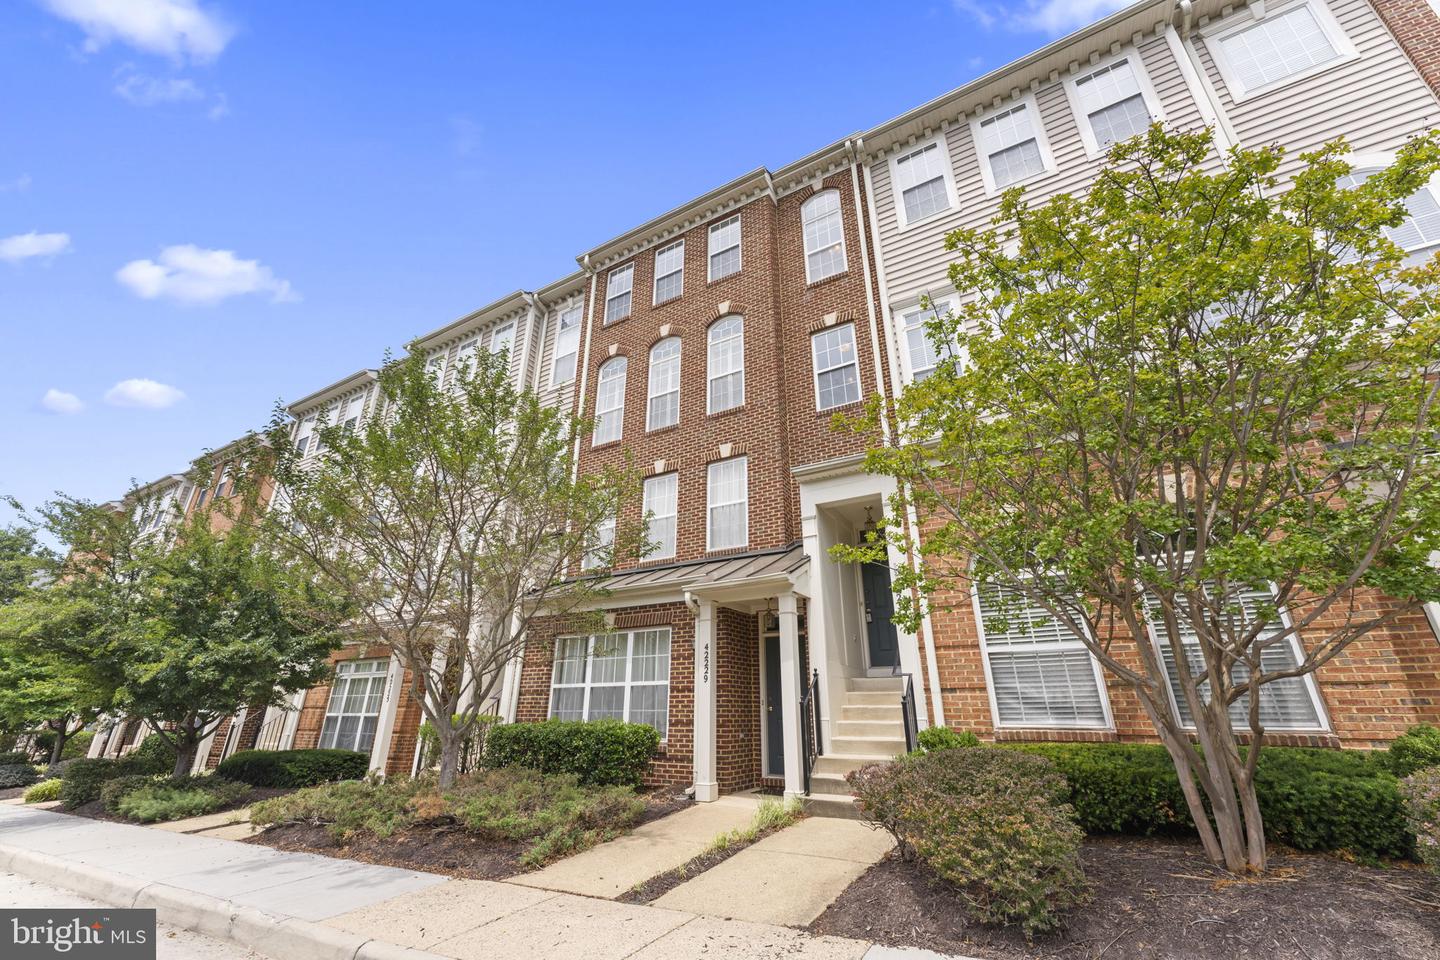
point(286, 938)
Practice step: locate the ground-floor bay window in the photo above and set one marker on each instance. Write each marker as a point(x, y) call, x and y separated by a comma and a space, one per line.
point(353, 712)
point(624, 675)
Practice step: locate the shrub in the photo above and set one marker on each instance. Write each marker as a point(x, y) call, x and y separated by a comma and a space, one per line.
point(1421, 791)
point(1416, 749)
point(11, 758)
point(56, 771)
point(44, 791)
point(371, 806)
point(989, 821)
point(17, 775)
point(596, 752)
point(293, 768)
point(944, 738)
point(160, 800)
point(112, 791)
point(84, 778)
point(154, 756)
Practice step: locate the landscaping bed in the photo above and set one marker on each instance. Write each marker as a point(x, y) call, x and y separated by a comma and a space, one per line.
point(95, 809)
point(1160, 898)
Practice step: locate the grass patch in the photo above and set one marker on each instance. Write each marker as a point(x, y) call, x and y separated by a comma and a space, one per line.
point(773, 815)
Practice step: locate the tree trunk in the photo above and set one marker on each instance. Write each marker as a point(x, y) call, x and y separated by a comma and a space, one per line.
point(185, 746)
point(58, 749)
point(449, 755)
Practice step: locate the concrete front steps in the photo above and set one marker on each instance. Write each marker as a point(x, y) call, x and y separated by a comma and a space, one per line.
point(870, 729)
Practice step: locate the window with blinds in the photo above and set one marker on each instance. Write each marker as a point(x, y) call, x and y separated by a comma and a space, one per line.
point(1420, 232)
point(920, 355)
point(1041, 673)
point(567, 345)
point(1288, 704)
point(669, 272)
point(663, 400)
point(725, 364)
point(1112, 105)
point(353, 711)
point(1286, 44)
point(661, 506)
point(618, 292)
point(824, 236)
point(621, 675)
point(610, 401)
point(920, 181)
point(1010, 146)
point(727, 500)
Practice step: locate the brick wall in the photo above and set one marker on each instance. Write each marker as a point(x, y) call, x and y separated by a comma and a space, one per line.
point(1417, 27)
point(406, 732)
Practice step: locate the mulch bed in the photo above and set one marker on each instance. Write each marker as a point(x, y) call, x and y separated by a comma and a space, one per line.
point(1162, 899)
point(95, 810)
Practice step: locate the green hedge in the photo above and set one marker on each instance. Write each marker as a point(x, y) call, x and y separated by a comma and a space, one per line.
point(17, 775)
point(1416, 749)
point(293, 768)
point(598, 752)
point(11, 758)
point(85, 778)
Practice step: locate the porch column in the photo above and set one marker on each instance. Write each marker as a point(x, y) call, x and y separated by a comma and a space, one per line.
point(385, 724)
point(707, 788)
point(292, 720)
point(790, 694)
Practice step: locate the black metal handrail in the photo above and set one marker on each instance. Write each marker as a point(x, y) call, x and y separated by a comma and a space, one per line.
point(907, 714)
point(811, 748)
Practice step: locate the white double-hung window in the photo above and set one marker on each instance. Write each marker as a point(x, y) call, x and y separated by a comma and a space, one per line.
point(669, 272)
point(1288, 704)
point(1113, 103)
point(1289, 42)
point(567, 346)
point(625, 676)
point(610, 401)
point(663, 401)
point(920, 355)
point(728, 504)
point(921, 182)
point(353, 712)
point(661, 501)
point(304, 434)
point(618, 290)
point(503, 338)
point(837, 371)
point(725, 247)
point(1041, 674)
point(725, 363)
point(600, 552)
point(1012, 146)
point(824, 231)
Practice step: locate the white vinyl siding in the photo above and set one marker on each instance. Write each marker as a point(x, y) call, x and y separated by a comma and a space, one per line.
point(1011, 147)
point(661, 502)
point(724, 251)
point(1113, 103)
point(610, 401)
point(599, 554)
point(618, 293)
point(725, 364)
point(625, 676)
point(824, 231)
point(837, 372)
point(919, 355)
point(353, 711)
point(663, 400)
point(1287, 44)
point(567, 346)
point(1041, 674)
point(1288, 704)
point(921, 182)
point(669, 272)
point(728, 504)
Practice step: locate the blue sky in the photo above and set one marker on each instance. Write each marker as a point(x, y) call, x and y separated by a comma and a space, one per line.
point(206, 207)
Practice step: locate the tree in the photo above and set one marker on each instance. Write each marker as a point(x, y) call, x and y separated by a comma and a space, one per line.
point(1189, 400)
point(449, 520)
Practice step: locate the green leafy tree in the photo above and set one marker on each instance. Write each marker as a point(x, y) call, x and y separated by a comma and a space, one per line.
point(1195, 381)
point(449, 521)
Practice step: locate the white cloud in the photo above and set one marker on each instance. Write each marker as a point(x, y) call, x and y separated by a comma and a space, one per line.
point(172, 28)
point(23, 246)
point(191, 274)
point(146, 91)
point(18, 185)
point(1051, 17)
point(139, 392)
point(58, 401)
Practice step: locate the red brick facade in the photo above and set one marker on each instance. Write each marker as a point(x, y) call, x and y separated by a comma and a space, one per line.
point(1416, 26)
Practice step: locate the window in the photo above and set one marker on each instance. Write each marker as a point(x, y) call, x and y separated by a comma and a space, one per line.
point(465, 357)
point(824, 236)
point(920, 356)
point(726, 363)
point(567, 346)
point(1113, 104)
point(221, 488)
point(622, 675)
point(303, 435)
point(1288, 704)
point(1011, 147)
point(599, 554)
point(663, 409)
point(670, 272)
point(435, 367)
point(617, 293)
point(610, 401)
point(503, 338)
point(1041, 674)
point(354, 708)
point(837, 373)
point(728, 504)
point(920, 181)
point(1287, 44)
point(660, 506)
point(725, 248)
point(201, 497)
point(350, 418)
point(1421, 229)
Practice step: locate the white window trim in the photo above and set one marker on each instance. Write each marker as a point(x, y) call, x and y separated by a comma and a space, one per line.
point(1107, 725)
point(844, 249)
point(503, 328)
point(947, 171)
point(587, 685)
point(556, 354)
point(650, 393)
point(610, 294)
point(1244, 18)
point(710, 504)
point(1142, 79)
point(604, 540)
point(942, 304)
point(1293, 640)
point(1384, 161)
point(350, 678)
point(710, 375)
point(710, 251)
point(1041, 140)
point(624, 388)
point(815, 370)
point(645, 508)
point(655, 300)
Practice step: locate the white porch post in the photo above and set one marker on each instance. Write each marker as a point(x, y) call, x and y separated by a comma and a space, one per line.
point(790, 693)
point(385, 725)
point(292, 720)
point(707, 787)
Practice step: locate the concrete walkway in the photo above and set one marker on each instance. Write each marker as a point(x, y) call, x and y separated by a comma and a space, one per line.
point(656, 847)
point(788, 878)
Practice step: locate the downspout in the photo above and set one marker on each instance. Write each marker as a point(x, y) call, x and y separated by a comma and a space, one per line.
point(1195, 77)
point(532, 340)
point(851, 148)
